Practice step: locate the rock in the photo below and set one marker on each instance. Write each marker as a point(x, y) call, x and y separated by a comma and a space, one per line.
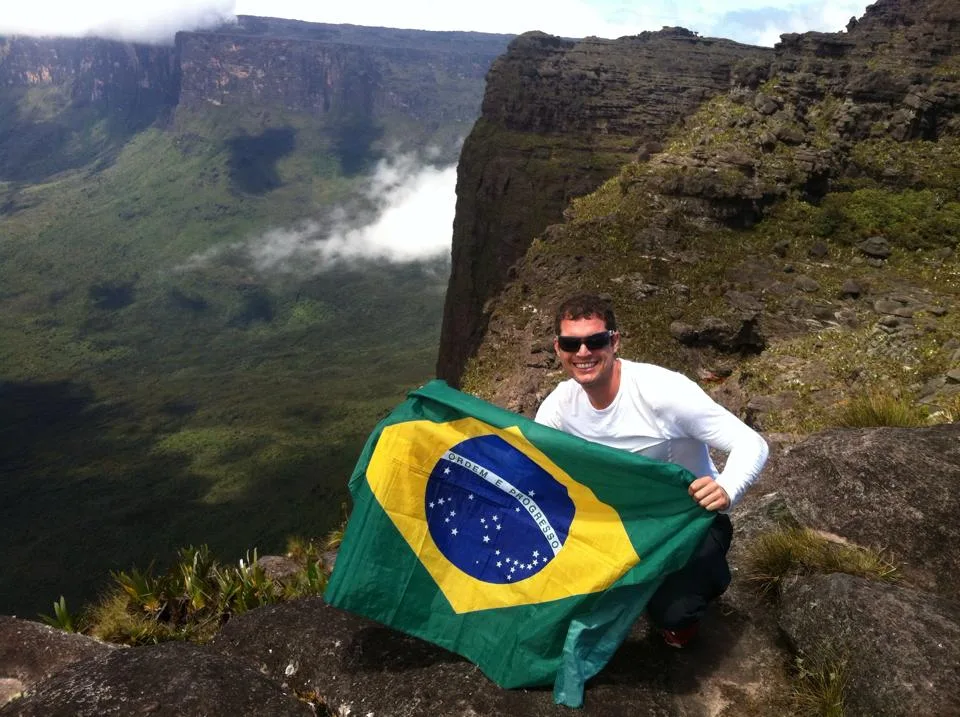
point(818, 250)
point(743, 301)
point(953, 375)
point(765, 104)
point(887, 306)
point(875, 247)
point(544, 88)
point(789, 134)
point(278, 567)
point(851, 289)
point(682, 332)
point(805, 283)
point(9, 689)
point(31, 651)
point(900, 647)
point(744, 336)
point(356, 665)
point(781, 248)
point(174, 679)
point(887, 488)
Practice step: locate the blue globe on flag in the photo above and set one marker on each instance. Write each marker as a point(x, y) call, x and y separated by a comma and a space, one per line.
point(495, 513)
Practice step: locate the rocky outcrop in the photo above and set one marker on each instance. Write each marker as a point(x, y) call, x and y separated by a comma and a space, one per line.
point(169, 679)
point(825, 113)
point(52, 90)
point(559, 117)
point(893, 489)
point(322, 69)
point(30, 652)
point(760, 245)
point(857, 624)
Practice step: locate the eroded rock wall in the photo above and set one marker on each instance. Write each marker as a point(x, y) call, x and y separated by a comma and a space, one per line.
point(559, 117)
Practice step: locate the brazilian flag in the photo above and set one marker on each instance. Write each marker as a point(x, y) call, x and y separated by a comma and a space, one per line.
point(526, 550)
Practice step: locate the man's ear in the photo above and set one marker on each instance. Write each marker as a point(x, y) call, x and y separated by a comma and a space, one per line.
point(556, 346)
point(616, 341)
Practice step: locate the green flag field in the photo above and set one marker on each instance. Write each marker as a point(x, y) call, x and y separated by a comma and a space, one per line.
point(526, 550)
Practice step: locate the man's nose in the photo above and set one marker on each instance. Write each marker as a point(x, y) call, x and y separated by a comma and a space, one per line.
point(583, 350)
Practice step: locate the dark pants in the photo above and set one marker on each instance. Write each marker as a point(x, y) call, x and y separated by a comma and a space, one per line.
point(682, 598)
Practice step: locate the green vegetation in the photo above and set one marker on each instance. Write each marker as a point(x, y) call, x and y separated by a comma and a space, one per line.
point(62, 619)
point(820, 685)
point(192, 599)
point(776, 555)
point(160, 387)
point(882, 409)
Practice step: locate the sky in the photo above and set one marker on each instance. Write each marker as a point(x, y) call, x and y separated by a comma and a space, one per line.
point(752, 21)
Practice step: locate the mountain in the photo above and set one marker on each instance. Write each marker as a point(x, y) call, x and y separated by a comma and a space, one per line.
point(179, 342)
point(790, 237)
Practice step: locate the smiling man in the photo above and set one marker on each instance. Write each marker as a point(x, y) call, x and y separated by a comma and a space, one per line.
point(665, 416)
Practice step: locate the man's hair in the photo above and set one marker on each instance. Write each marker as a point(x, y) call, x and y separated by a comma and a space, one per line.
point(586, 306)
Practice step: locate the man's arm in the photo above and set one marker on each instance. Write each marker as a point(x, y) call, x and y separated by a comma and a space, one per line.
point(700, 417)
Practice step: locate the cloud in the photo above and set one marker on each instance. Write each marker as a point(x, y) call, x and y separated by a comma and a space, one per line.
point(752, 21)
point(412, 221)
point(152, 21)
point(764, 25)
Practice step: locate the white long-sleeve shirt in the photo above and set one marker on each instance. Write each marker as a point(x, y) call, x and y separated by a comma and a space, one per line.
point(663, 415)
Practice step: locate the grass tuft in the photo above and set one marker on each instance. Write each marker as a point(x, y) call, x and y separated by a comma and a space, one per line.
point(776, 555)
point(820, 686)
point(882, 409)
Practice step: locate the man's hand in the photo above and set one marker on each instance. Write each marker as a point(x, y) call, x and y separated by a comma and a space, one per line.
point(708, 493)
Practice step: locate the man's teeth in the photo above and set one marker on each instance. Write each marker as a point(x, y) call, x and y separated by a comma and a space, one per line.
point(584, 364)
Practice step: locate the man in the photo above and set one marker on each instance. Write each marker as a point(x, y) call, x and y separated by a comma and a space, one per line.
point(663, 415)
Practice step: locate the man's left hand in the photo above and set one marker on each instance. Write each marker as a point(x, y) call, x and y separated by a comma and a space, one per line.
point(708, 493)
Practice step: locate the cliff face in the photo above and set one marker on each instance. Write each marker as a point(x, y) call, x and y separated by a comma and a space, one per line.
point(792, 242)
point(558, 118)
point(314, 68)
point(52, 91)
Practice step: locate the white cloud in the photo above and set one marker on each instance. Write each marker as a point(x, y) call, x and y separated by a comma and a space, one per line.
point(156, 20)
point(413, 221)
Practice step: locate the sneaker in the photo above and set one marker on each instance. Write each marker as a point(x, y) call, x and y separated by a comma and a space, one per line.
point(681, 637)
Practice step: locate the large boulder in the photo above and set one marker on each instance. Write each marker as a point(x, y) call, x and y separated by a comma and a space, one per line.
point(900, 647)
point(172, 680)
point(896, 489)
point(356, 665)
point(31, 652)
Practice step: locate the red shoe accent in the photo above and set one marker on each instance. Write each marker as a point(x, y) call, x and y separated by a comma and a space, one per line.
point(682, 637)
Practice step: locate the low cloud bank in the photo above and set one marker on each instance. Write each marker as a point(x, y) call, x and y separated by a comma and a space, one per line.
point(413, 213)
point(151, 21)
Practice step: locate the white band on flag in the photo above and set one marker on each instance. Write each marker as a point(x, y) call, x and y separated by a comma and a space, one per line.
point(526, 502)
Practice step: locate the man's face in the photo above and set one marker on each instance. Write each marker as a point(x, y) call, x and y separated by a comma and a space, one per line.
point(587, 367)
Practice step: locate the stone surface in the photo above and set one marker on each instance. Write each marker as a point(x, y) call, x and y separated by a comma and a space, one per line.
point(173, 679)
point(892, 489)
point(900, 647)
point(31, 651)
point(356, 665)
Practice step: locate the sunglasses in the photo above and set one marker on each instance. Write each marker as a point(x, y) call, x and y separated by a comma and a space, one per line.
point(571, 344)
